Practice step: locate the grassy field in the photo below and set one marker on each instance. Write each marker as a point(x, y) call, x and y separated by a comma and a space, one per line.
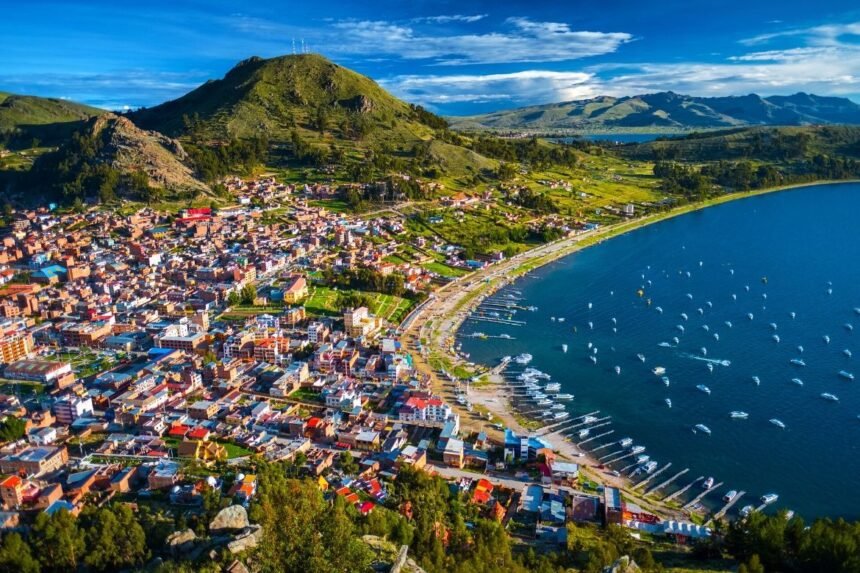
point(323, 302)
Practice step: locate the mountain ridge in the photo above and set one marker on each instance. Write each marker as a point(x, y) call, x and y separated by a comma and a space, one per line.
point(669, 111)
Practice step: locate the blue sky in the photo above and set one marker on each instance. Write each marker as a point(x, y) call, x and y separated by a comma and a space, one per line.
point(454, 57)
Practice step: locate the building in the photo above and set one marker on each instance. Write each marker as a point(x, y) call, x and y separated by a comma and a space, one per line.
point(296, 290)
point(359, 322)
point(203, 410)
point(84, 334)
point(613, 506)
point(12, 492)
point(430, 411)
point(34, 461)
point(15, 345)
point(37, 370)
point(69, 408)
point(453, 453)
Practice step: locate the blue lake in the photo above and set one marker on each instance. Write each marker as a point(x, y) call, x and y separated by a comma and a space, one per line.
point(617, 137)
point(777, 253)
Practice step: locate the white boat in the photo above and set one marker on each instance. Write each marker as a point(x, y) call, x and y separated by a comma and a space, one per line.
point(618, 370)
point(700, 311)
point(637, 449)
point(730, 496)
point(676, 340)
point(829, 396)
point(769, 498)
point(773, 325)
point(625, 442)
point(593, 359)
point(589, 419)
point(797, 362)
point(800, 349)
point(561, 319)
point(659, 309)
point(614, 320)
point(564, 348)
point(704, 351)
point(797, 381)
point(775, 338)
point(552, 318)
point(750, 316)
point(649, 467)
point(665, 380)
point(668, 402)
point(826, 339)
point(544, 402)
point(684, 315)
point(716, 337)
point(703, 428)
point(728, 323)
point(590, 325)
point(792, 314)
point(847, 353)
point(552, 387)
point(561, 415)
point(777, 423)
point(846, 375)
point(746, 510)
point(734, 297)
point(563, 396)
point(708, 483)
point(679, 327)
point(848, 326)
point(523, 358)
point(641, 357)
point(589, 306)
point(583, 433)
point(703, 388)
point(658, 370)
point(706, 328)
point(757, 380)
point(738, 415)
point(709, 303)
point(689, 296)
point(710, 367)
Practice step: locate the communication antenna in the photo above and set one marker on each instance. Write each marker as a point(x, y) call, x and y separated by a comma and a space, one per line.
point(303, 46)
point(294, 46)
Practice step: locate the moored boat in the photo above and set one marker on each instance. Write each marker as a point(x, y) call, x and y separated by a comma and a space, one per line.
point(776, 422)
point(703, 428)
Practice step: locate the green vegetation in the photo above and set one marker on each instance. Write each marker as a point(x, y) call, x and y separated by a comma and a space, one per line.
point(29, 121)
point(12, 429)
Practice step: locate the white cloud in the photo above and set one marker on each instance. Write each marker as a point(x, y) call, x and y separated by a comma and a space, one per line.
point(445, 19)
point(520, 88)
point(825, 34)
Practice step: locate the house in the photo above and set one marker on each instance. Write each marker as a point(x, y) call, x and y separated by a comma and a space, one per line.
point(164, 475)
point(203, 450)
point(35, 460)
point(203, 410)
point(453, 453)
point(12, 492)
point(296, 289)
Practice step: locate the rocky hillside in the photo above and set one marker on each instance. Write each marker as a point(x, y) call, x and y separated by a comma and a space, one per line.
point(668, 111)
point(111, 157)
point(125, 147)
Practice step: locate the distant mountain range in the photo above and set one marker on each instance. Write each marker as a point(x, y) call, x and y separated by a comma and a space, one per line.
point(667, 111)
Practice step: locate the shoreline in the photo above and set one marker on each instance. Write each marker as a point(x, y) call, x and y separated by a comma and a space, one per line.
point(429, 331)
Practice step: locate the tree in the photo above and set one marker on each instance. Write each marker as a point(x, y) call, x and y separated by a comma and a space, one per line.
point(12, 429)
point(249, 294)
point(752, 566)
point(57, 541)
point(16, 557)
point(347, 463)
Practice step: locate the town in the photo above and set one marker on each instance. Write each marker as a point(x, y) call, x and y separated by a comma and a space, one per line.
point(142, 351)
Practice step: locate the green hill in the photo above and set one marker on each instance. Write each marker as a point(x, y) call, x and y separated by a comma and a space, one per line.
point(775, 144)
point(668, 111)
point(49, 120)
point(274, 96)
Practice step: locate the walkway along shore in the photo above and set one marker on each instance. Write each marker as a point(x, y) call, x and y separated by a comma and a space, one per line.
point(428, 332)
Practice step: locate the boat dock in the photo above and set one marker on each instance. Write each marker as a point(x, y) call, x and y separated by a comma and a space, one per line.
point(661, 485)
point(726, 507)
point(497, 320)
point(645, 481)
point(681, 491)
point(558, 425)
point(702, 495)
point(601, 446)
point(603, 435)
point(627, 455)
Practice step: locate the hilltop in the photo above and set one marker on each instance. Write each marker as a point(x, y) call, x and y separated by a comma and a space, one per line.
point(668, 111)
point(275, 96)
point(24, 118)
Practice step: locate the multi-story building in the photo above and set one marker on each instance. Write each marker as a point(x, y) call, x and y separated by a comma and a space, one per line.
point(84, 333)
point(359, 322)
point(69, 408)
point(34, 461)
point(15, 342)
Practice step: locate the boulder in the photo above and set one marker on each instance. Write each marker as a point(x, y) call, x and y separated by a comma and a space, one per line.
point(623, 564)
point(180, 542)
point(231, 518)
point(248, 539)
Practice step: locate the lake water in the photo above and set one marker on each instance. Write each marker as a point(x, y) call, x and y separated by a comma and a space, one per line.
point(777, 253)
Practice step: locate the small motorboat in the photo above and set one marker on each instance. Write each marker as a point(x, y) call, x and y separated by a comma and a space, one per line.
point(778, 423)
point(847, 353)
point(708, 483)
point(797, 362)
point(829, 396)
point(703, 388)
point(757, 380)
point(702, 428)
point(658, 370)
point(769, 498)
point(738, 415)
point(730, 495)
point(641, 357)
point(846, 375)
point(668, 402)
point(797, 381)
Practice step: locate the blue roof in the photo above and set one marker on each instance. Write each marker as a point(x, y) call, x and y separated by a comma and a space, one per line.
point(50, 271)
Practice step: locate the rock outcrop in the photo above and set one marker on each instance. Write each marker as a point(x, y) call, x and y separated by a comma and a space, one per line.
point(229, 519)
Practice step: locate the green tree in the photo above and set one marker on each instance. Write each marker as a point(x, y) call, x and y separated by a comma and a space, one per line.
point(16, 557)
point(57, 541)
